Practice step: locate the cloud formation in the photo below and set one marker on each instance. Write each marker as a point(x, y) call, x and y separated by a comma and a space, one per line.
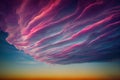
point(63, 31)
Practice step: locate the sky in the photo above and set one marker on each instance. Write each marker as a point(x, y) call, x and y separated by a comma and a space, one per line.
point(60, 39)
point(16, 64)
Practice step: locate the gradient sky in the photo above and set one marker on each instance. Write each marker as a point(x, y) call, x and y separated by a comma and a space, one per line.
point(16, 64)
point(60, 39)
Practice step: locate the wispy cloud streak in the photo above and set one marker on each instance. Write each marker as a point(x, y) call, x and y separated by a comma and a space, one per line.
point(64, 31)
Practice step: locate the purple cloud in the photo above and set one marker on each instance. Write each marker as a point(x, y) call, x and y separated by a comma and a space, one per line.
point(63, 31)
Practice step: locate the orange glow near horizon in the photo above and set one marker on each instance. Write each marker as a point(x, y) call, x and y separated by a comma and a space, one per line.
point(58, 72)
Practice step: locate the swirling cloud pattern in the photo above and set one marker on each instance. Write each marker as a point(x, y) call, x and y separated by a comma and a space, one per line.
point(63, 31)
